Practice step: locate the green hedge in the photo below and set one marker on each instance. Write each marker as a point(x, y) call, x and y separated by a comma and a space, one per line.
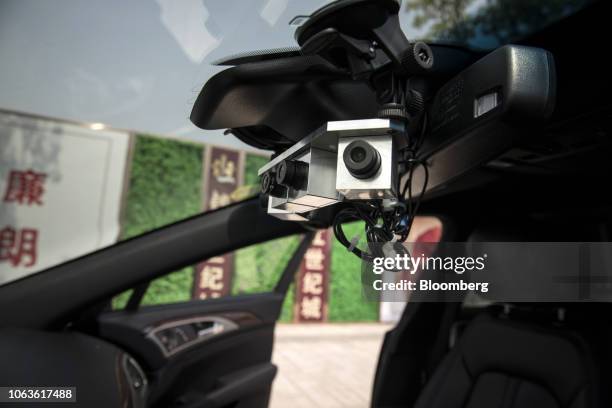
point(346, 302)
point(258, 267)
point(165, 184)
point(165, 187)
point(252, 163)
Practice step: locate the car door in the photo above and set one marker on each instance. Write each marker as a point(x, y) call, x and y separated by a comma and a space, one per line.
point(213, 352)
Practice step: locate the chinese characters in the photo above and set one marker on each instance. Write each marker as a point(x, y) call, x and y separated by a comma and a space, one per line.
point(25, 187)
point(18, 246)
point(211, 278)
point(313, 280)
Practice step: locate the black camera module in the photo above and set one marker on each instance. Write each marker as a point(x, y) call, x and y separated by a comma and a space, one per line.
point(292, 173)
point(361, 159)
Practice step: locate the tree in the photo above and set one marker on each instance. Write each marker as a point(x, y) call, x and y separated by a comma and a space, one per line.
point(445, 18)
point(498, 22)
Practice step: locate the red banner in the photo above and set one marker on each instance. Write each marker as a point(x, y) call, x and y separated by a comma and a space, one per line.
point(223, 171)
point(312, 286)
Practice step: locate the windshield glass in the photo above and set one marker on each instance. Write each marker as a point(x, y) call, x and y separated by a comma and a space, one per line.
point(95, 141)
point(481, 24)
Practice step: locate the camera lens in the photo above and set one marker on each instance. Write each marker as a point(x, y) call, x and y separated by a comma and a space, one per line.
point(358, 154)
point(292, 174)
point(361, 159)
point(267, 183)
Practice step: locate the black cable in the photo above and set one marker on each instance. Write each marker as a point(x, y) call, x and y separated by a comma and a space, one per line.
point(423, 189)
point(348, 215)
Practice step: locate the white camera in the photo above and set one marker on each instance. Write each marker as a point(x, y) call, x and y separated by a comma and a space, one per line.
point(343, 160)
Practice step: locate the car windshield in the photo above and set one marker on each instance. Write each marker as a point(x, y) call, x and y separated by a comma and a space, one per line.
point(481, 24)
point(95, 141)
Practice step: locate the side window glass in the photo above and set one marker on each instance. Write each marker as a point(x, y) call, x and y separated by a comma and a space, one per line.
point(253, 269)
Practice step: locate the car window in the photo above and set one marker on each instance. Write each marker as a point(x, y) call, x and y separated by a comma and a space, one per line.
point(253, 269)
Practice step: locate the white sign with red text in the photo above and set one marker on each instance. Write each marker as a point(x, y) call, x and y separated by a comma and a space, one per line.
point(61, 188)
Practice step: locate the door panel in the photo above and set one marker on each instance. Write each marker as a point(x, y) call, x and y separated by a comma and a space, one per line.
point(139, 331)
point(210, 353)
point(101, 374)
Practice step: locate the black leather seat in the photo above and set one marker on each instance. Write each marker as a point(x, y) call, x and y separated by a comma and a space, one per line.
point(504, 364)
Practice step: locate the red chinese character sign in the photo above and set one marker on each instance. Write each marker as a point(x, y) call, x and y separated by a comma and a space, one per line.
point(312, 284)
point(223, 175)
